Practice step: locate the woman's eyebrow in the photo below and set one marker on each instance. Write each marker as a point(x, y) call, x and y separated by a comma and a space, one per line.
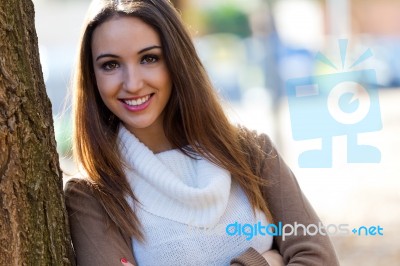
point(149, 48)
point(106, 55)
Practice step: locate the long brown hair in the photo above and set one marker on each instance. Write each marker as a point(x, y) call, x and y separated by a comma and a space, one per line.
point(193, 116)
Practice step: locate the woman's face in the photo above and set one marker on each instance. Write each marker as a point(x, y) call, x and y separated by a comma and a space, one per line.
point(131, 73)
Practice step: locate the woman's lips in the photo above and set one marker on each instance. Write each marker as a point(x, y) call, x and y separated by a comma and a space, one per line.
point(137, 104)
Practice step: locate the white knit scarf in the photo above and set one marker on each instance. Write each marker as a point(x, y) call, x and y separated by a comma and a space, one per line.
point(164, 194)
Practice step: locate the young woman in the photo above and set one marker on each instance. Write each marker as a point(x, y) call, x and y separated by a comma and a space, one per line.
point(168, 179)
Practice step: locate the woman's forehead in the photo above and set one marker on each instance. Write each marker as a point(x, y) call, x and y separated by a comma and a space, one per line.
point(126, 33)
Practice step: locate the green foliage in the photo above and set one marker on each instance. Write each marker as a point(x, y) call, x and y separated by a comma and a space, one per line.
point(227, 19)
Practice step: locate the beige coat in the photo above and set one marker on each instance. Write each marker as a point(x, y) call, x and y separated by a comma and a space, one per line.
point(101, 243)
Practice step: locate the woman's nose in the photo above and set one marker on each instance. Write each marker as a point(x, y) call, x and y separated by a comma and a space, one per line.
point(133, 79)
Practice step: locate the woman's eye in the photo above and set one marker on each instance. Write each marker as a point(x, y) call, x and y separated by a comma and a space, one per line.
point(148, 59)
point(108, 66)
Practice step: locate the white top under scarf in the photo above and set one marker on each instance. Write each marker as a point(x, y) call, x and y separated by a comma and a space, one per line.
point(184, 206)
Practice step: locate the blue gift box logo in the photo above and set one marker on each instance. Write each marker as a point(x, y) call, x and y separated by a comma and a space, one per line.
point(344, 103)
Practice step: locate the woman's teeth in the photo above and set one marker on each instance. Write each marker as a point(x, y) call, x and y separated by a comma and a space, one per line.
point(138, 101)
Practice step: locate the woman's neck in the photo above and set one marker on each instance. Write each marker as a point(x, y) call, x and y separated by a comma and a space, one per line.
point(153, 137)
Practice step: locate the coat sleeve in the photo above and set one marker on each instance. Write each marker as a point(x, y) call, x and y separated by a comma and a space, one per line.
point(288, 205)
point(249, 258)
point(96, 241)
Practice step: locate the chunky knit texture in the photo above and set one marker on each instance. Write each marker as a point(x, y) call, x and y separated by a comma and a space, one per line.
point(185, 206)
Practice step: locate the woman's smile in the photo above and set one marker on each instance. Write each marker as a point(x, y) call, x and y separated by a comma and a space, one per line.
point(138, 103)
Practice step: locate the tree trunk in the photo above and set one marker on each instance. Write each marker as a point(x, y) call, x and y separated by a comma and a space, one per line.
point(33, 221)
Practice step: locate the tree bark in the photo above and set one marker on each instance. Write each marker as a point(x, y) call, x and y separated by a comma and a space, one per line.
point(33, 221)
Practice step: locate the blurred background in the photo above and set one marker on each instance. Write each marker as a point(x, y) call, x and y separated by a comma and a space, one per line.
point(251, 48)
